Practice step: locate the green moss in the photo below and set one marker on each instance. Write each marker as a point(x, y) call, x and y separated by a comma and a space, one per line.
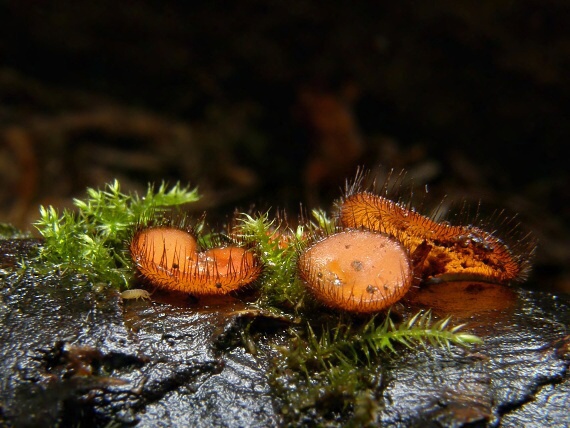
point(91, 240)
point(335, 371)
point(330, 373)
point(276, 245)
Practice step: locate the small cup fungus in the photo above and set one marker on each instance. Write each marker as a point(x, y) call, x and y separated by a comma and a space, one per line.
point(356, 270)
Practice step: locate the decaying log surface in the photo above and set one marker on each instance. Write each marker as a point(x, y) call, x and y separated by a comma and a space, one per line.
point(76, 355)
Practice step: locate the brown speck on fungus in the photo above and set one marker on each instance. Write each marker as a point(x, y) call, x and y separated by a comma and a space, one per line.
point(381, 276)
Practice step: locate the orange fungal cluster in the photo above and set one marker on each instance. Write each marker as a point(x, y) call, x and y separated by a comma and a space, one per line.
point(377, 252)
point(169, 258)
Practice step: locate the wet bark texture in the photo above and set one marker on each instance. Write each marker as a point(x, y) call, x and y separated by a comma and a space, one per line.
point(76, 355)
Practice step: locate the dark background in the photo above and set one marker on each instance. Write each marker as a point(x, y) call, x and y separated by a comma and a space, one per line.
point(276, 105)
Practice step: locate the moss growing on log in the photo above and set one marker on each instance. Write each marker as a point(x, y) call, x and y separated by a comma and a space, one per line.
point(320, 364)
point(91, 241)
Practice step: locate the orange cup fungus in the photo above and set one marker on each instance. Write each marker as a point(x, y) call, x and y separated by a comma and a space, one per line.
point(356, 270)
point(168, 257)
point(455, 252)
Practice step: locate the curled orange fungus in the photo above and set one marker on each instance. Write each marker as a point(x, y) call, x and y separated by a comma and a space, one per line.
point(455, 252)
point(356, 270)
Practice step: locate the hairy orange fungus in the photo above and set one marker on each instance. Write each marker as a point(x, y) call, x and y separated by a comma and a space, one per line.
point(455, 252)
point(356, 270)
point(169, 259)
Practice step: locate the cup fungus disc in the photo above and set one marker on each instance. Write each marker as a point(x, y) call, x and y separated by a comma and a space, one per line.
point(163, 249)
point(357, 270)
